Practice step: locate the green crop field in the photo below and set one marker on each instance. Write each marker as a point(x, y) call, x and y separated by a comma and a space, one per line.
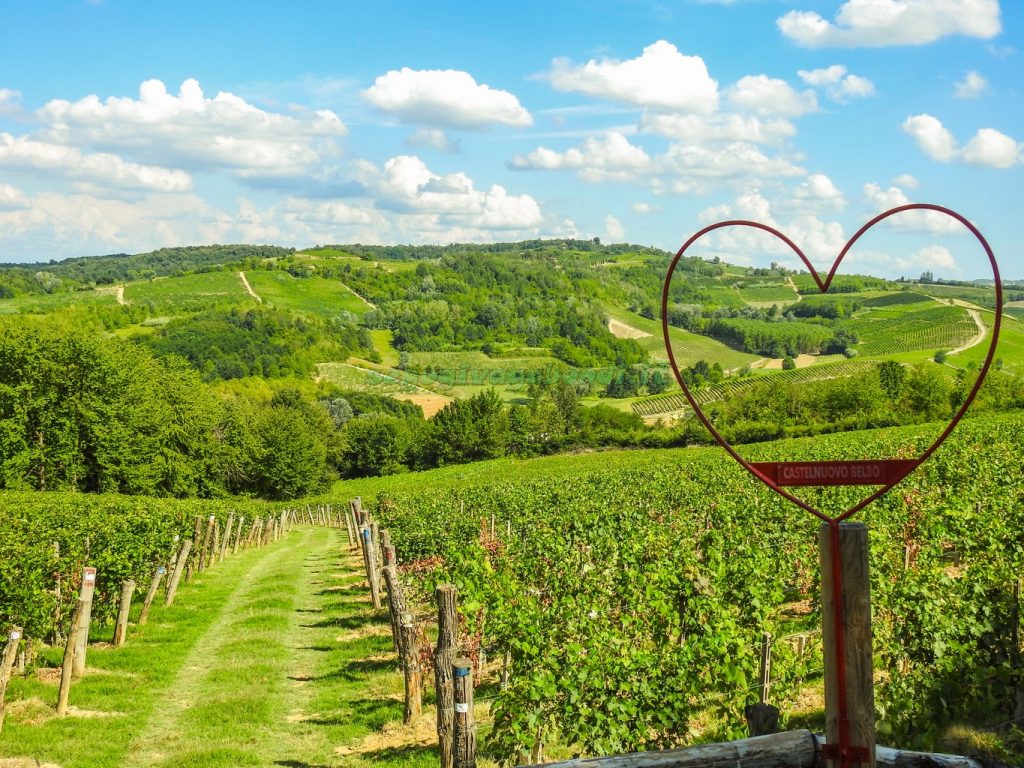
point(674, 402)
point(903, 328)
point(190, 293)
point(1010, 349)
point(758, 295)
point(312, 295)
point(348, 376)
point(687, 347)
point(46, 303)
point(676, 591)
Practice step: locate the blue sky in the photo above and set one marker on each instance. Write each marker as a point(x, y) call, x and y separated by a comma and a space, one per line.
point(126, 126)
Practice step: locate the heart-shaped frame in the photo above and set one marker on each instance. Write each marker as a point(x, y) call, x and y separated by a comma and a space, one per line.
point(903, 468)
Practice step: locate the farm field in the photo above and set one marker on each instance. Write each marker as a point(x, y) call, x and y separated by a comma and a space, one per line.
point(190, 293)
point(311, 295)
point(274, 657)
point(46, 303)
point(675, 401)
point(748, 557)
point(382, 339)
point(280, 645)
point(687, 347)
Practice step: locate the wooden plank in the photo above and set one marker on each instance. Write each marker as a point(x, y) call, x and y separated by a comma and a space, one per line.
point(852, 569)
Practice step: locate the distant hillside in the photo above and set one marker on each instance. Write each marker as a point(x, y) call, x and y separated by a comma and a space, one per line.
point(123, 267)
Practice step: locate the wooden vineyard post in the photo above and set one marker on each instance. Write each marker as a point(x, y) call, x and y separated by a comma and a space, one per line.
point(67, 667)
point(227, 536)
point(172, 585)
point(238, 535)
point(175, 553)
point(766, 666)
point(411, 669)
point(82, 633)
point(197, 542)
point(763, 718)
point(7, 667)
point(154, 585)
point(464, 728)
point(348, 526)
point(396, 598)
point(207, 539)
point(444, 658)
point(123, 610)
point(215, 549)
point(370, 561)
point(846, 557)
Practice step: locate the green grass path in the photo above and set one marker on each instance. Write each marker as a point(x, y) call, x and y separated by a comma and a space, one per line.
point(273, 658)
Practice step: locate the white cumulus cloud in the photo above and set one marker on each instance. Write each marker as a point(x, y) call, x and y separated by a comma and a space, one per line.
point(445, 97)
point(407, 185)
point(892, 22)
point(818, 191)
point(716, 128)
point(988, 147)
point(434, 138)
point(971, 87)
point(880, 200)
point(12, 198)
point(661, 77)
point(839, 85)
point(192, 131)
point(614, 232)
point(931, 136)
point(599, 158)
point(645, 209)
point(770, 96)
point(906, 181)
point(102, 168)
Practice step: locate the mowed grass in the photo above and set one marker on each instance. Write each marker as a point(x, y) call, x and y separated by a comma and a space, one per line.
point(190, 293)
point(312, 295)
point(55, 302)
point(382, 342)
point(687, 347)
point(273, 658)
point(1009, 349)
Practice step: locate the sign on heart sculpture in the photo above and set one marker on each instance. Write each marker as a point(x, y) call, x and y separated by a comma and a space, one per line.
point(884, 473)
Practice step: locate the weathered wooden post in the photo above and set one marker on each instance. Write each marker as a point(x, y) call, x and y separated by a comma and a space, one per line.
point(175, 553)
point(205, 549)
point(766, 666)
point(172, 585)
point(370, 561)
point(396, 598)
point(227, 536)
point(464, 727)
point(67, 667)
point(197, 539)
point(348, 526)
point(7, 667)
point(444, 658)
point(154, 585)
point(848, 668)
point(123, 610)
point(215, 549)
point(411, 669)
point(82, 642)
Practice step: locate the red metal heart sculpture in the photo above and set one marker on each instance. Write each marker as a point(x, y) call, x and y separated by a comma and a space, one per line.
point(887, 472)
